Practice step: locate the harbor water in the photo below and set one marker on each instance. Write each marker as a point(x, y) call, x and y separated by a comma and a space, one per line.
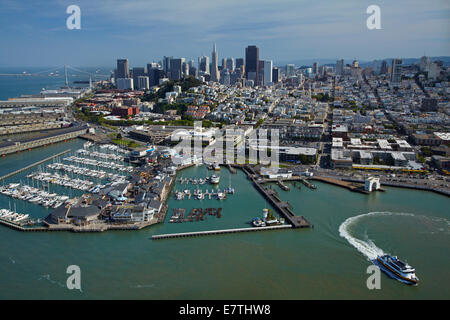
point(327, 262)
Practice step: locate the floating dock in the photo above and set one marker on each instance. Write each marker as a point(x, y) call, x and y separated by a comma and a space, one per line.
point(212, 232)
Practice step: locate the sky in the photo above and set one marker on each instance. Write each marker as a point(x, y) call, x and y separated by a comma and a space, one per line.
point(33, 33)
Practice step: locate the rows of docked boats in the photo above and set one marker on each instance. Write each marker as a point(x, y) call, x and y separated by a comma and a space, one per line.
point(83, 171)
point(33, 195)
point(199, 194)
point(213, 180)
point(12, 216)
point(97, 163)
point(65, 181)
point(96, 154)
point(110, 147)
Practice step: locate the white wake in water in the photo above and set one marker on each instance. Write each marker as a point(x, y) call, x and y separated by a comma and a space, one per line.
point(366, 247)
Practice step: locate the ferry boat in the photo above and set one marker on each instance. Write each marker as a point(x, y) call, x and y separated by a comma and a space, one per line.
point(214, 179)
point(396, 269)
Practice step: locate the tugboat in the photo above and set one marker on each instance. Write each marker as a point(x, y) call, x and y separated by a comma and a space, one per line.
point(216, 166)
point(396, 269)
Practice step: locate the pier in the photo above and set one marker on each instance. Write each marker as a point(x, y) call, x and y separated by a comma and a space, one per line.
point(341, 183)
point(33, 165)
point(215, 232)
point(282, 207)
point(28, 144)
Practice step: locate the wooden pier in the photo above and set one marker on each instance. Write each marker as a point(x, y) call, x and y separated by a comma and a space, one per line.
point(215, 232)
point(346, 184)
point(281, 207)
point(33, 165)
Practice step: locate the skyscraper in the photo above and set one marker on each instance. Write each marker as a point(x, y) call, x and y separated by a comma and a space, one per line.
point(315, 68)
point(396, 73)
point(290, 70)
point(166, 65)
point(340, 67)
point(203, 64)
point(275, 75)
point(176, 68)
point(251, 63)
point(240, 64)
point(123, 69)
point(267, 72)
point(230, 64)
point(138, 72)
point(384, 67)
point(215, 76)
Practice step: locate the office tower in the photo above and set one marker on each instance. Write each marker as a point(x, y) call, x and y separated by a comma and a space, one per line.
point(176, 68)
point(230, 64)
point(290, 70)
point(267, 72)
point(425, 63)
point(275, 75)
point(154, 74)
point(383, 67)
point(123, 70)
point(125, 84)
point(434, 71)
point(315, 68)
point(396, 73)
point(240, 64)
point(355, 64)
point(152, 65)
point(375, 66)
point(215, 76)
point(138, 72)
point(191, 64)
point(224, 63)
point(340, 67)
point(203, 64)
point(143, 83)
point(225, 77)
point(252, 63)
point(193, 72)
point(166, 65)
point(185, 69)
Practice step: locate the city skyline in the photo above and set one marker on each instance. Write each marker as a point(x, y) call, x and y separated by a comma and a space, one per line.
point(284, 31)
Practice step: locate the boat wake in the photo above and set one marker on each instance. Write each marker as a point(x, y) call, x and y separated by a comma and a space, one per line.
point(367, 247)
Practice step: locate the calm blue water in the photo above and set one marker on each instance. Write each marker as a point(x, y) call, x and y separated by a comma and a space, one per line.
point(12, 86)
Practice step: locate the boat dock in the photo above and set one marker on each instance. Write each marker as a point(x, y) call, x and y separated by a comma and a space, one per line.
point(282, 207)
point(33, 165)
point(282, 185)
point(215, 232)
point(341, 183)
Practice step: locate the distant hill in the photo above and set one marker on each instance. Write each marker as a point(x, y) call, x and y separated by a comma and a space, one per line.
point(362, 63)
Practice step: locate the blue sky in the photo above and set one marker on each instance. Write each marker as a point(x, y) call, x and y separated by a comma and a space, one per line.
point(34, 33)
